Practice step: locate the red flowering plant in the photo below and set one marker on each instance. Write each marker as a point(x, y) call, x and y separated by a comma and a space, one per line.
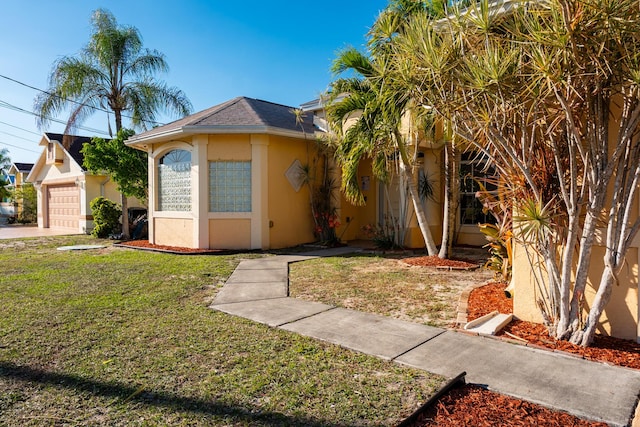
point(325, 227)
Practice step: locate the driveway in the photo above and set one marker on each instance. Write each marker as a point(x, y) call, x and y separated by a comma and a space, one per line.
point(18, 231)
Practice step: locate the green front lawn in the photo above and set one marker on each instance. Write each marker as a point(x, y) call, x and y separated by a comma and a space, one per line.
point(123, 337)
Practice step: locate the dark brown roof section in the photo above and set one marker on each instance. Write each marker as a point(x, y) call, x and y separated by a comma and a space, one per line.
point(242, 113)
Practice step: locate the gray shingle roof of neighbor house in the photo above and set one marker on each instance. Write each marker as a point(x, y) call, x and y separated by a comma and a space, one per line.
point(238, 115)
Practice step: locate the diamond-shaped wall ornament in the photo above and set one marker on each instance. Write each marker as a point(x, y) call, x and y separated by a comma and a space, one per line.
point(295, 175)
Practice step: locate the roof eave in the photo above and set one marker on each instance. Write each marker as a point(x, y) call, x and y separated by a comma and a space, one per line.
point(214, 130)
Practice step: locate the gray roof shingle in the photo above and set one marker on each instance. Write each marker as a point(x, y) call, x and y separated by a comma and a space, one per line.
point(241, 113)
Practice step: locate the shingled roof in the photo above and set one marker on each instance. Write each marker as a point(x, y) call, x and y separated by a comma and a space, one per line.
point(23, 167)
point(238, 115)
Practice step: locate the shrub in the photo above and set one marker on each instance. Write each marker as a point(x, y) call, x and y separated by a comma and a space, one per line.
point(106, 217)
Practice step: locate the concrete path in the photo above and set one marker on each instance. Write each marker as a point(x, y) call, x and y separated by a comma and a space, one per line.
point(18, 231)
point(258, 290)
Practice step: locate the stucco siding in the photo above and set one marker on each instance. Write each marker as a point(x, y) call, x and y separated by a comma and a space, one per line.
point(230, 233)
point(620, 317)
point(174, 232)
point(289, 212)
point(229, 147)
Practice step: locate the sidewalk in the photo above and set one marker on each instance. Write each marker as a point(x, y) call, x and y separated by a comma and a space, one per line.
point(19, 231)
point(258, 290)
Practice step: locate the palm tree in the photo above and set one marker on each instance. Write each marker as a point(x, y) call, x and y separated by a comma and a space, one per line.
point(382, 104)
point(5, 163)
point(113, 73)
point(376, 134)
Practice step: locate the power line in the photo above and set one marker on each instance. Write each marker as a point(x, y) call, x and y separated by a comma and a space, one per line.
point(22, 129)
point(16, 136)
point(19, 148)
point(22, 110)
point(73, 101)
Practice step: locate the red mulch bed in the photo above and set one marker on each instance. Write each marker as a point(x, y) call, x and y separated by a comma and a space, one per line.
point(610, 350)
point(471, 405)
point(488, 298)
point(434, 261)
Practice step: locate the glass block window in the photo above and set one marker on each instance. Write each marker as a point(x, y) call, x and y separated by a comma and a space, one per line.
point(230, 187)
point(174, 181)
point(472, 172)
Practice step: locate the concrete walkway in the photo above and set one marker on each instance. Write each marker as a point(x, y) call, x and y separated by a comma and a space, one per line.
point(258, 290)
point(19, 231)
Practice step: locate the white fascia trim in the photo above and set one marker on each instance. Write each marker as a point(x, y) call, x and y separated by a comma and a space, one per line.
point(214, 130)
point(140, 139)
point(221, 130)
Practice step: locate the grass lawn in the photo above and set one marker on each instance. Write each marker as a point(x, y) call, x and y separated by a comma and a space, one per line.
point(384, 285)
point(123, 337)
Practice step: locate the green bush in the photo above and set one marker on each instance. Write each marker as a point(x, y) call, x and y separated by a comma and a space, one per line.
point(106, 217)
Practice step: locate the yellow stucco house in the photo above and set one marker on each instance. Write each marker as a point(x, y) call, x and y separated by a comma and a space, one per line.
point(65, 189)
point(228, 177)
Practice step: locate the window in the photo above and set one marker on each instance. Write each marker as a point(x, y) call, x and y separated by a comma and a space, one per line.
point(230, 186)
point(473, 172)
point(174, 181)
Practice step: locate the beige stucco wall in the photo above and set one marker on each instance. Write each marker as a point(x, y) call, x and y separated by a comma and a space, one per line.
point(229, 147)
point(230, 233)
point(225, 231)
point(289, 212)
point(274, 201)
point(358, 216)
point(173, 232)
point(620, 318)
point(93, 186)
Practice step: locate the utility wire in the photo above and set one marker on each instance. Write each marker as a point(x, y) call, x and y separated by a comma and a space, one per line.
point(22, 129)
point(19, 148)
point(16, 136)
point(73, 101)
point(22, 110)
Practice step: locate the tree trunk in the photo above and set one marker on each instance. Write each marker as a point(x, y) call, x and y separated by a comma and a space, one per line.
point(444, 247)
point(432, 250)
point(584, 337)
point(450, 193)
point(123, 198)
point(125, 216)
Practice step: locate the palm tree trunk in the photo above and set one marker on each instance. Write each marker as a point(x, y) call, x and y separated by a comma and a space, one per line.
point(405, 168)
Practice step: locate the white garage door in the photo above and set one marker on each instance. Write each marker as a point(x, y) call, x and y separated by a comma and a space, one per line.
point(64, 206)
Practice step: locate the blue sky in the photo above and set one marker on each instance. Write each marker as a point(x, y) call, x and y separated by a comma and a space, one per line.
point(277, 50)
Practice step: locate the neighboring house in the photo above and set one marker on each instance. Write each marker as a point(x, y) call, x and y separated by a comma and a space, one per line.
point(65, 188)
point(229, 177)
point(18, 173)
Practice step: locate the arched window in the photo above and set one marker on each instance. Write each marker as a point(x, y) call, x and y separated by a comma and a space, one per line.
point(174, 181)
